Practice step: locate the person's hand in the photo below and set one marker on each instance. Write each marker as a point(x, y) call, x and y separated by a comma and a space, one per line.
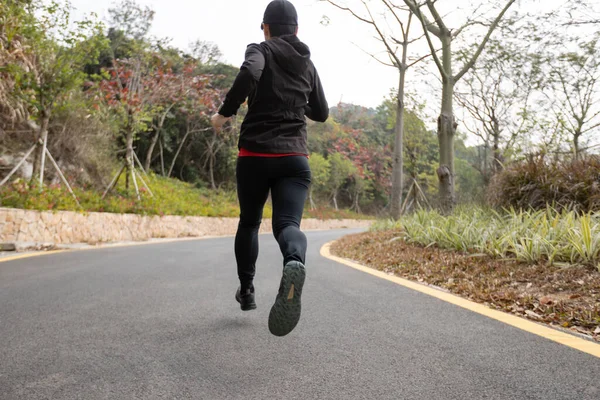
point(218, 121)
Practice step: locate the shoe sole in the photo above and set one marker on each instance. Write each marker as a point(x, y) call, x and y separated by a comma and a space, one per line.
point(285, 313)
point(248, 307)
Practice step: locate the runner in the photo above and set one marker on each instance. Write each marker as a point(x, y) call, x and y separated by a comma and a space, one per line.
point(282, 86)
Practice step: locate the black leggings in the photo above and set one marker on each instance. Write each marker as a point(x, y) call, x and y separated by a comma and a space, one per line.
point(288, 179)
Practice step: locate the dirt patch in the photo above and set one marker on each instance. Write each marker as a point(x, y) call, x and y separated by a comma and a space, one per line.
point(567, 297)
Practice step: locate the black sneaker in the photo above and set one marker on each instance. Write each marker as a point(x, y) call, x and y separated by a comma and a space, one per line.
point(285, 313)
point(246, 299)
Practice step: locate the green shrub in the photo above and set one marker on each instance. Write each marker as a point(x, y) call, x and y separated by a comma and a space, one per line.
point(539, 183)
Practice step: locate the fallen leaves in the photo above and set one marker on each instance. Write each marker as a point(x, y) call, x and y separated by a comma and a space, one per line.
point(533, 315)
point(546, 300)
point(567, 297)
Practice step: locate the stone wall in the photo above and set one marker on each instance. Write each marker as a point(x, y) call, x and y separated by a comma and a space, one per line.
point(66, 227)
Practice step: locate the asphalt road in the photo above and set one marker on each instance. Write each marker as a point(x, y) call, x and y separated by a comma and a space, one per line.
point(160, 322)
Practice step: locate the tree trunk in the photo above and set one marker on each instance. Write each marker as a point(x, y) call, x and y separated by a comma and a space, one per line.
point(155, 139)
point(335, 204)
point(576, 149)
point(151, 150)
point(497, 164)
point(486, 166)
point(211, 171)
point(162, 158)
point(397, 178)
point(128, 156)
point(446, 130)
point(178, 151)
point(415, 199)
point(40, 152)
point(310, 198)
point(357, 202)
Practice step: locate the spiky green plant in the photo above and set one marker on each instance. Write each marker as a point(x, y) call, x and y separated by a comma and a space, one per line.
point(551, 236)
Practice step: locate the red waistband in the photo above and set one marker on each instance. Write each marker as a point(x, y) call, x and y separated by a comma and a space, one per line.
point(247, 153)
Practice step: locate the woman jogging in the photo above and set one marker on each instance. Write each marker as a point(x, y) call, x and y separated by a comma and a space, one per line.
point(282, 87)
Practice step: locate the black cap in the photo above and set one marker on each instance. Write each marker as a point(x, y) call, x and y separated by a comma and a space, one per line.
point(280, 12)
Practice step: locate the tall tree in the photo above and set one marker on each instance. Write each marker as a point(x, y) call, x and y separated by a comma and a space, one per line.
point(61, 49)
point(15, 55)
point(435, 25)
point(396, 45)
point(125, 92)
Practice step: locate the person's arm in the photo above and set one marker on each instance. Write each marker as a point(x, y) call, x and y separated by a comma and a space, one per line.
point(317, 108)
point(246, 80)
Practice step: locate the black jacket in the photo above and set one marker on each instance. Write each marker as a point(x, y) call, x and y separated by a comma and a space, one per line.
point(282, 86)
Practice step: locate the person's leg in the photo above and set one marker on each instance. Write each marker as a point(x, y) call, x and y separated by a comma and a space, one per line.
point(252, 190)
point(289, 193)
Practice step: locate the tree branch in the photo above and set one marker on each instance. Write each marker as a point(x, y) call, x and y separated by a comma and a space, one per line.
point(590, 22)
point(350, 11)
point(415, 9)
point(471, 62)
point(404, 32)
point(370, 22)
point(466, 25)
point(566, 92)
point(419, 60)
point(377, 59)
point(426, 29)
point(382, 36)
point(590, 128)
point(436, 16)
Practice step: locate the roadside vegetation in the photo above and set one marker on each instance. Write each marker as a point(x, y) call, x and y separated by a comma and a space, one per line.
point(167, 197)
point(541, 262)
point(548, 236)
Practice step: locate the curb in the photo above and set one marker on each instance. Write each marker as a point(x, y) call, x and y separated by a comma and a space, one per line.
point(544, 331)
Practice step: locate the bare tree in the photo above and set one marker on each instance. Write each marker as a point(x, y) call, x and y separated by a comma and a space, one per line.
point(436, 26)
point(397, 51)
point(498, 96)
point(576, 95)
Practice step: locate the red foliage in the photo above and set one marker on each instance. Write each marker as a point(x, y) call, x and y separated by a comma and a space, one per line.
point(134, 90)
point(372, 161)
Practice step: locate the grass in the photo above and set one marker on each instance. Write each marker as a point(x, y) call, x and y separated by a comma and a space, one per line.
point(170, 197)
point(547, 236)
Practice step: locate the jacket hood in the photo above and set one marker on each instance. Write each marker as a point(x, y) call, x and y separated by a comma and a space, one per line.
point(289, 53)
